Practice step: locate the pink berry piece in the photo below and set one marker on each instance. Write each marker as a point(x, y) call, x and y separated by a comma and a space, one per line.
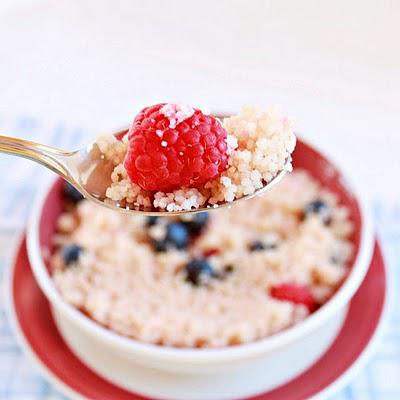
point(298, 294)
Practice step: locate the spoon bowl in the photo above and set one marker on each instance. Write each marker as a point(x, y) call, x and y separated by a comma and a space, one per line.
point(90, 173)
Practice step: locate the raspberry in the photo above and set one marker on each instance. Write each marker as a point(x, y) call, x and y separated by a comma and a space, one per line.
point(172, 146)
point(295, 293)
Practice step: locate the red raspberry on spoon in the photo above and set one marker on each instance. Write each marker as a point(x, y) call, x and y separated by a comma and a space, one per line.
point(171, 146)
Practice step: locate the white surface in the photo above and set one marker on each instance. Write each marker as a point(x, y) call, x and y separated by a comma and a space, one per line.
point(334, 66)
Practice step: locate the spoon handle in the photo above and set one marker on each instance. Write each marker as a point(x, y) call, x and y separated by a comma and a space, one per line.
point(50, 157)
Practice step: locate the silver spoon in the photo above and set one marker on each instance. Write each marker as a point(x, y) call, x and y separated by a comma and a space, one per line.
point(90, 174)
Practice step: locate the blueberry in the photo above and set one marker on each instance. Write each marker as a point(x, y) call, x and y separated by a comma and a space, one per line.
point(71, 193)
point(320, 208)
point(151, 221)
point(70, 253)
point(199, 271)
point(177, 235)
point(197, 223)
point(258, 245)
point(335, 259)
point(160, 245)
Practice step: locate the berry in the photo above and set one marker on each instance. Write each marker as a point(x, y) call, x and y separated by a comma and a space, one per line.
point(320, 208)
point(172, 146)
point(295, 293)
point(258, 245)
point(197, 223)
point(177, 235)
point(212, 251)
point(151, 221)
point(199, 271)
point(160, 246)
point(70, 253)
point(71, 193)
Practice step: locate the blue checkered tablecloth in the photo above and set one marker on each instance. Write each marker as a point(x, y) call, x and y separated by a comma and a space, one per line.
point(19, 380)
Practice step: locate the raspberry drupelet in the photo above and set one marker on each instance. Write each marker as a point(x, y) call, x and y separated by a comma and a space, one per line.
point(171, 146)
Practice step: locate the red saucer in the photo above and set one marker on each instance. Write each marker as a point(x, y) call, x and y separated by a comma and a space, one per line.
point(32, 319)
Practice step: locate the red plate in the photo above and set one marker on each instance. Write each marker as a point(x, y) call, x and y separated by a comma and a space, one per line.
point(37, 331)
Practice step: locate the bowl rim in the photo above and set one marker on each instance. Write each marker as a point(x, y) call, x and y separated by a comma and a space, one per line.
point(209, 355)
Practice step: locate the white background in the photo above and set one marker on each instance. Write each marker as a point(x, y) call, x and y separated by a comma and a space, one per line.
point(333, 65)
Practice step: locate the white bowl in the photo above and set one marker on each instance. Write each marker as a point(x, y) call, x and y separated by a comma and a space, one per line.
point(205, 374)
